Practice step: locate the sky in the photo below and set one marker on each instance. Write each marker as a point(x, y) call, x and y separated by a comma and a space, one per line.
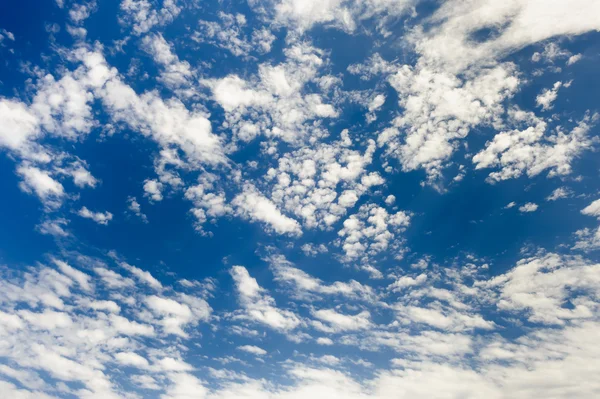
point(285, 199)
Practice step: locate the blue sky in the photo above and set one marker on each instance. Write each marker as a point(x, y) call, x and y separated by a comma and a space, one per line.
point(286, 199)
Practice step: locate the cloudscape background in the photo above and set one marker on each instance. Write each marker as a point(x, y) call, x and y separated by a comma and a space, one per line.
point(299, 199)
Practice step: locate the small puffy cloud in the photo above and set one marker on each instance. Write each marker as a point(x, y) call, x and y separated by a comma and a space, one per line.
point(39, 182)
point(153, 189)
point(407, 281)
point(332, 321)
point(306, 285)
point(528, 207)
point(529, 151)
point(372, 230)
point(54, 227)
point(98, 217)
point(255, 350)
point(134, 206)
point(251, 204)
point(258, 305)
point(143, 275)
point(592, 209)
point(324, 341)
point(83, 279)
point(142, 16)
point(547, 97)
point(574, 58)
point(131, 359)
point(559, 193)
point(176, 314)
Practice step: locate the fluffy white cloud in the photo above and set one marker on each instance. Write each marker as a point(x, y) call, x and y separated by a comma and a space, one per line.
point(547, 97)
point(255, 350)
point(229, 33)
point(332, 321)
point(320, 184)
point(134, 206)
point(143, 275)
point(98, 217)
point(251, 204)
point(544, 286)
point(142, 16)
point(371, 231)
point(302, 15)
point(276, 103)
point(258, 305)
point(592, 209)
point(39, 182)
point(559, 193)
point(176, 75)
point(528, 207)
point(174, 315)
point(306, 285)
point(530, 152)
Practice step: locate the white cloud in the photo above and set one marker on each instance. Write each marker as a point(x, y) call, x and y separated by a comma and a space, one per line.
point(153, 189)
point(459, 81)
point(588, 239)
point(559, 193)
point(258, 305)
point(229, 33)
point(305, 285)
point(371, 231)
point(592, 209)
point(548, 96)
point(278, 102)
point(319, 184)
point(18, 125)
point(407, 281)
point(174, 315)
point(338, 322)
point(528, 207)
point(83, 279)
point(142, 16)
point(98, 217)
point(49, 191)
point(574, 58)
point(302, 15)
point(55, 227)
point(440, 108)
point(252, 205)
point(143, 275)
point(134, 206)
point(530, 152)
point(324, 341)
point(255, 350)
point(113, 279)
point(131, 359)
point(176, 75)
point(543, 286)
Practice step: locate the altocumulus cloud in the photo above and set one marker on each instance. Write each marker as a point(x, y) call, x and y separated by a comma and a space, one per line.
point(296, 198)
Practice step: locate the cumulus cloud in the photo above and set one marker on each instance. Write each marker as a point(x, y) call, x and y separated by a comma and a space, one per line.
point(98, 217)
point(531, 152)
point(559, 193)
point(528, 207)
point(251, 204)
point(39, 182)
point(255, 350)
point(372, 230)
point(258, 305)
